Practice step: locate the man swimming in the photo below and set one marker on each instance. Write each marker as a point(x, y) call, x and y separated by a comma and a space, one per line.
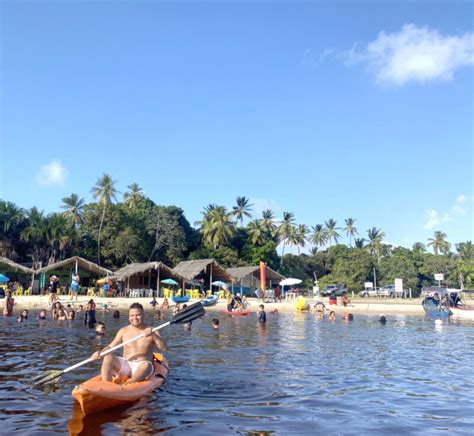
point(136, 362)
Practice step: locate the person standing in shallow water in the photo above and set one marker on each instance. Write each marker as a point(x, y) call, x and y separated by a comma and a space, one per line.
point(262, 316)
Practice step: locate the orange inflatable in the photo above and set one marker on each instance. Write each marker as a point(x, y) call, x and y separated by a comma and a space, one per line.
point(95, 395)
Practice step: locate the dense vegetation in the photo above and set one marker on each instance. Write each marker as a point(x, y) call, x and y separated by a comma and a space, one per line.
point(113, 233)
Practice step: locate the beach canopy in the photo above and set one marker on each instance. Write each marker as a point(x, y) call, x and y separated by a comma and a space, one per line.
point(4, 279)
point(169, 282)
point(290, 281)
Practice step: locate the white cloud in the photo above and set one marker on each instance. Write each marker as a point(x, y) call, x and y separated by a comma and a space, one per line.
point(418, 54)
point(51, 174)
point(434, 218)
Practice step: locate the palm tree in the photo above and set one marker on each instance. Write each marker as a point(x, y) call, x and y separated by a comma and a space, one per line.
point(375, 241)
point(74, 207)
point(216, 226)
point(439, 243)
point(331, 231)
point(286, 229)
point(419, 247)
point(268, 222)
point(242, 209)
point(350, 229)
point(104, 190)
point(58, 235)
point(318, 235)
point(359, 242)
point(35, 233)
point(301, 236)
point(131, 197)
point(256, 232)
point(10, 215)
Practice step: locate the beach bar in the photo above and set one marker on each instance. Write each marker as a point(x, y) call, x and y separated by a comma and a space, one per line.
point(247, 278)
point(144, 279)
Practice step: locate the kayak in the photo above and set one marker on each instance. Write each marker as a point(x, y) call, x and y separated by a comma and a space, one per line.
point(236, 312)
point(210, 301)
point(184, 299)
point(95, 395)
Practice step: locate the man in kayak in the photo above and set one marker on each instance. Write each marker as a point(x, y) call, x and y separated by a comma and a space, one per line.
point(136, 362)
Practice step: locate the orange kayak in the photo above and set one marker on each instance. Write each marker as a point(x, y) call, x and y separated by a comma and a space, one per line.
point(95, 395)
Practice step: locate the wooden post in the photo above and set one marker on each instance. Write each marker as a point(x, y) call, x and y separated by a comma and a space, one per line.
point(210, 280)
point(158, 282)
point(76, 266)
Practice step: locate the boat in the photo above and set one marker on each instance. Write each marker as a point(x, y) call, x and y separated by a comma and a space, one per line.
point(434, 307)
point(211, 300)
point(236, 312)
point(177, 299)
point(458, 306)
point(95, 395)
point(445, 302)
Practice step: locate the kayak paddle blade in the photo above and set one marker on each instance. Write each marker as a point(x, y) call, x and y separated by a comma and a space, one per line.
point(47, 378)
point(188, 314)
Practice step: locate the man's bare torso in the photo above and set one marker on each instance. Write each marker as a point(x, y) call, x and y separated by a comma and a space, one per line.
point(142, 349)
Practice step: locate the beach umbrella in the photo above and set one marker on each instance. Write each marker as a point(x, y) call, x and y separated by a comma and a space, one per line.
point(219, 283)
point(169, 282)
point(4, 279)
point(289, 282)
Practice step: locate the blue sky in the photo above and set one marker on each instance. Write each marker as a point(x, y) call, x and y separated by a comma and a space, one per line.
point(325, 109)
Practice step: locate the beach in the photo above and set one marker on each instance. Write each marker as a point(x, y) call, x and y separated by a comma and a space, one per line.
point(362, 306)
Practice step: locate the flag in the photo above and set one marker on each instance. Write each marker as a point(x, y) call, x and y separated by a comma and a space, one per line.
point(263, 277)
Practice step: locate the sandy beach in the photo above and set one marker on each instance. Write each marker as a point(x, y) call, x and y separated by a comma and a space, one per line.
point(357, 307)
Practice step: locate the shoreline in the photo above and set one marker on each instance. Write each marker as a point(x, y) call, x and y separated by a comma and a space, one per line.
point(357, 307)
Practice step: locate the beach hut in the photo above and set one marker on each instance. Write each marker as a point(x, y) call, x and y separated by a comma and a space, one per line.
point(247, 278)
point(204, 271)
point(12, 270)
point(64, 269)
point(144, 277)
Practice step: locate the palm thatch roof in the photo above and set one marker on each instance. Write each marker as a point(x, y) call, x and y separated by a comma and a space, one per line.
point(196, 269)
point(245, 271)
point(139, 268)
point(15, 266)
point(82, 263)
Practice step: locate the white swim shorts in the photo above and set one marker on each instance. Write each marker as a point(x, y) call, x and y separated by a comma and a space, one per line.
point(129, 367)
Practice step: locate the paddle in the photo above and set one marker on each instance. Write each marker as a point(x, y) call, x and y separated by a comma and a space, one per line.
point(188, 314)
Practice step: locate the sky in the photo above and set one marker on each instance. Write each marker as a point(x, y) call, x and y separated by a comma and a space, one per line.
point(327, 109)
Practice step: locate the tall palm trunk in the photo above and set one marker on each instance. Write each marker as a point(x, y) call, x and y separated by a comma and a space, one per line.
point(98, 237)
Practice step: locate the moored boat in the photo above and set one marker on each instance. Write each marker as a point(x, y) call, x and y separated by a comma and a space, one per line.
point(236, 312)
point(178, 299)
point(95, 395)
point(210, 301)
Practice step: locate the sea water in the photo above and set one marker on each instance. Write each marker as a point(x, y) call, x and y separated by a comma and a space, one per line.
point(294, 375)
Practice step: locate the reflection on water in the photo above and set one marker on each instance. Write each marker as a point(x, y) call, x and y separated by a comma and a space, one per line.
point(295, 375)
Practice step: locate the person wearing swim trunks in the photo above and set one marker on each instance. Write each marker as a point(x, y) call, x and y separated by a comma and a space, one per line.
point(137, 359)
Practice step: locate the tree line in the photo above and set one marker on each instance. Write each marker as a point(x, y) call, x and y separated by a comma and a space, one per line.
point(136, 229)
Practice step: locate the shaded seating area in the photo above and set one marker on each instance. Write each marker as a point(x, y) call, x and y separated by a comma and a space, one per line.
point(21, 277)
point(203, 272)
point(88, 272)
point(138, 280)
point(247, 278)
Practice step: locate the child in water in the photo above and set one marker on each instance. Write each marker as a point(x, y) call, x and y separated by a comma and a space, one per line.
point(215, 324)
point(100, 329)
point(262, 316)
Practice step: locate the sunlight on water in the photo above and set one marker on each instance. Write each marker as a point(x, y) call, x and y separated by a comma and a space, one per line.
point(295, 375)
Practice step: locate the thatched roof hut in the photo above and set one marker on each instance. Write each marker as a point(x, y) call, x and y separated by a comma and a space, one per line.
point(76, 262)
point(7, 265)
point(247, 278)
point(246, 271)
point(149, 275)
point(203, 270)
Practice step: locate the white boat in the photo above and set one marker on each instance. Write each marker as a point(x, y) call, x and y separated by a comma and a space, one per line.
point(459, 309)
